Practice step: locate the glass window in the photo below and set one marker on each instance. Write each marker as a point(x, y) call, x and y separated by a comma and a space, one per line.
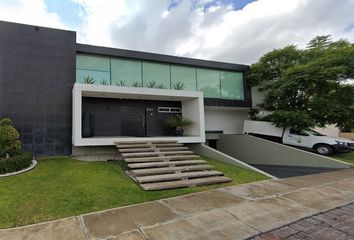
point(126, 72)
point(183, 78)
point(93, 69)
point(231, 85)
point(92, 76)
point(209, 82)
point(156, 75)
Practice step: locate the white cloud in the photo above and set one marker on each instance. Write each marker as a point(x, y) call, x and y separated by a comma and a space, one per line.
point(188, 29)
point(218, 33)
point(33, 12)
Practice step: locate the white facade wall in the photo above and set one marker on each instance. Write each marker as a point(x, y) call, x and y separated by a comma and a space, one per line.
point(228, 120)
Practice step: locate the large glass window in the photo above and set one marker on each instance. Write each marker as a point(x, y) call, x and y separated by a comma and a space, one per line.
point(231, 85)
point(93, 69)
point(156, 75)
point(183, 78)
point(209, 82)
point(126, 72)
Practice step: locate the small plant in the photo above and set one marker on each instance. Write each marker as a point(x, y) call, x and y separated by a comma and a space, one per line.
point(151, 84)
point(104, 82)
point(178, 85)
point(136, 84)
point(89, 80)
point(9, 139)
point(121, 83)
point(178, 123)
point(160, 86)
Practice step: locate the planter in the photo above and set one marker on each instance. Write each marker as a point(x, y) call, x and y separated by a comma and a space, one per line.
point(179, 131)
point(349, 135)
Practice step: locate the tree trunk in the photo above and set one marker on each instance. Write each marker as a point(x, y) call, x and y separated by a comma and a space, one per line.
point(282, 135)
point(7, 155)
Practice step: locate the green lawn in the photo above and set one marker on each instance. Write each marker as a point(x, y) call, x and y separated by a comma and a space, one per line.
point(345, 157)
point(61, 187)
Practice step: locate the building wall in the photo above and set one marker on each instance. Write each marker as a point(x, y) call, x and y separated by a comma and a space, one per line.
point(230, 121)
point(37, 73)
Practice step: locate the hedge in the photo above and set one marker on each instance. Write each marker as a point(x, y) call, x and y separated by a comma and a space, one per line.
point(15, 163)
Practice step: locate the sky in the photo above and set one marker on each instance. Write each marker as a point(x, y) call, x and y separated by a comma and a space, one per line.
point(236, 31)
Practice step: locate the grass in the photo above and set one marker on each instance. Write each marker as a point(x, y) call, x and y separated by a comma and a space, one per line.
point(345, 157)
point(61, 187)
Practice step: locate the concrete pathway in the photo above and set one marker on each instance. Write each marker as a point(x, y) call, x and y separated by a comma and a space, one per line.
point(237, 212)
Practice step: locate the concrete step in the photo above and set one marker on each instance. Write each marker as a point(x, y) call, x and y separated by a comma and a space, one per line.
point(147, 154)
point(178, 176)
point(166, 170)
point(133, 150)
point(165, 164)
point(161, 159)
point(122, 142)
point(144, 145)
point(165, 149)
point(185, 183)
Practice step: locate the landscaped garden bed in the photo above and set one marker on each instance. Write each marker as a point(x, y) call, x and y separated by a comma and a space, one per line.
point(61, 186)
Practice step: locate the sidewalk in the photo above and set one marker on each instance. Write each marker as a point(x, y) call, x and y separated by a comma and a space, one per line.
point(237, 212)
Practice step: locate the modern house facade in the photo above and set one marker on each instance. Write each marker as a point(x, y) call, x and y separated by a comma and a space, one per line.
point(61, 94)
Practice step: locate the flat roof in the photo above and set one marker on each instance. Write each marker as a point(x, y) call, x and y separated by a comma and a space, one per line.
point(116, 52)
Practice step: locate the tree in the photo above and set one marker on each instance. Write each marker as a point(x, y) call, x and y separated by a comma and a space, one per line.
point(320, 42)
point(304, 88)
point(9, 138)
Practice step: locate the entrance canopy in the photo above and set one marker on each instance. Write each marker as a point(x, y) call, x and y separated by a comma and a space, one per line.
point(191, 103)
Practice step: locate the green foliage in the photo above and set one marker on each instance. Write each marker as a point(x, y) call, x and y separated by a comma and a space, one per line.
point(304, 88)
point(178, 121)
point(320, 42)
point(136, 84)
point(89, 80)
point(104, 82)
point(178, 86)
point(9, 138)
point(153, 84)
point(15, 163)
point(121, 83)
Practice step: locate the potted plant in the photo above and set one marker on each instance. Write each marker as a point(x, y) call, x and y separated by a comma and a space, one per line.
point(177, 122)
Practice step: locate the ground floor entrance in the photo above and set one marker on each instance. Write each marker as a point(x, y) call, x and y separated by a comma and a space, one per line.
point(127, 117)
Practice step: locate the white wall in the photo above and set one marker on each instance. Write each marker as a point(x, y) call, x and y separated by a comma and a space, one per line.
point(329, 130)
point(230, 121)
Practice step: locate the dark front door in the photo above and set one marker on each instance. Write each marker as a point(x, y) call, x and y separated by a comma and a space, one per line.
point(133, 120)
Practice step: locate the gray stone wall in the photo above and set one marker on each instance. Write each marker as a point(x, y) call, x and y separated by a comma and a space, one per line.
point(37, 73)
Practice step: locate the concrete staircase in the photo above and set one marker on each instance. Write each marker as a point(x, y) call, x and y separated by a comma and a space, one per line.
point(167, 164)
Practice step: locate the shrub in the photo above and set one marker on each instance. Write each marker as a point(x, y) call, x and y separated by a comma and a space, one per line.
point(15, 163)
point(9, 138)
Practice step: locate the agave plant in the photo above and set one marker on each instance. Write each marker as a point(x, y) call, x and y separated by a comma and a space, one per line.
point(89, 80)
point(104, 82)
point(136, 84)
point(151, 84)
point(160, 86)
point(121, 83)
point(178, 85)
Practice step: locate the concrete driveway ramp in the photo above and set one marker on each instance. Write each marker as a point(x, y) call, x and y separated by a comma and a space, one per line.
point(161, 164)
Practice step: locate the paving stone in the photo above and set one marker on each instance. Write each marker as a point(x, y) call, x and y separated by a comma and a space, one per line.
point(203, 201)
point(334, 224)
point(259, 189)
point(215, 225)
point(320, 198)
point(64, 229)
point(133, 235)
point(270, 213)
point(126, 219)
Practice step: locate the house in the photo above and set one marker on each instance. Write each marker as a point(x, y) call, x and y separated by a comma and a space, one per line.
point(45, 90)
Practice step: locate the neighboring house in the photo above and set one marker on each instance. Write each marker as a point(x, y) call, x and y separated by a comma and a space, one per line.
point(42, 89)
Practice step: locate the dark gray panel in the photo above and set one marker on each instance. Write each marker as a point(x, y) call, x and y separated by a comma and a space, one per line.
point(37, 73)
